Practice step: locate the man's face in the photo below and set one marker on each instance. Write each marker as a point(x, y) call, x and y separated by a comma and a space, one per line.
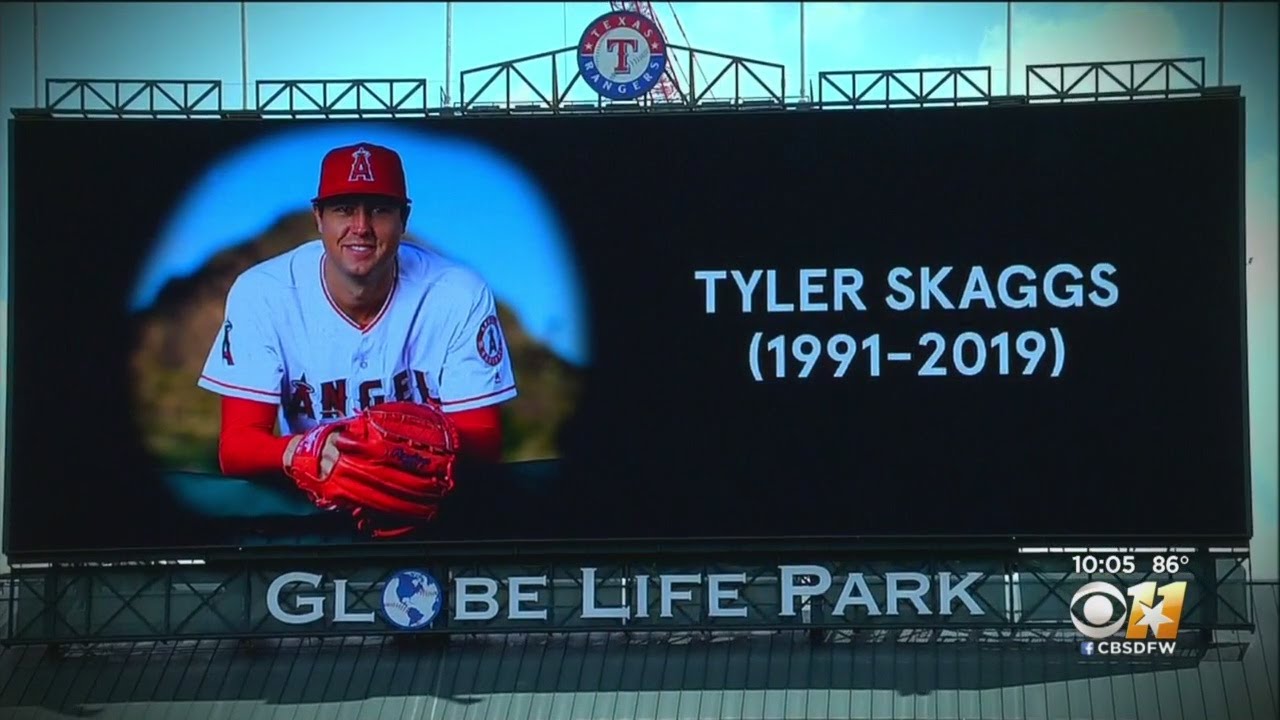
point(360, 233)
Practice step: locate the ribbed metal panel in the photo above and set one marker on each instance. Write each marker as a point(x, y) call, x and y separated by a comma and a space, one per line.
point(756, 675)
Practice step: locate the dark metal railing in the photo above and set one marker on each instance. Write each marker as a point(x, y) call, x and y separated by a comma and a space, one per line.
point(123, 98)
point(890, 88)
point(703, 80)
point(342, 98)
point(1131, 79)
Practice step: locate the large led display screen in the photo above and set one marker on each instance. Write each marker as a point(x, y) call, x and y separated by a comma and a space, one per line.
point(979, 322)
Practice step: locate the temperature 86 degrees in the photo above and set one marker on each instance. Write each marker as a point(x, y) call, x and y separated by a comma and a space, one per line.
point(1170, 564)
point(1026, 353)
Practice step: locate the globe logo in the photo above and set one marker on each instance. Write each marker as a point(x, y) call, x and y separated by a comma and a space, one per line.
point(411, 599)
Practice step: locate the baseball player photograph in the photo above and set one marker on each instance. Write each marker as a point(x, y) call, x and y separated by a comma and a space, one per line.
point(360, 367)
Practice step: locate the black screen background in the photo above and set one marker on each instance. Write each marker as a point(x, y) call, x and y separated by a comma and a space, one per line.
point(1144, 434)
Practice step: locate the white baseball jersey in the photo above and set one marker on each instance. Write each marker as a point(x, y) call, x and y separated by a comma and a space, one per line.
point(284, 340)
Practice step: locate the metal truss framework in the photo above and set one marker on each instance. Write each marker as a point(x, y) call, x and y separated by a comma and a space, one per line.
point(133, 98)
point(535, 85)
point(1023, 598)
point(1115, 80)
point(933, 86)
point(340, 98)
point(538, 77)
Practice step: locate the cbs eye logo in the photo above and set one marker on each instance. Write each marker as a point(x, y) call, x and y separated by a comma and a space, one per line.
point(1104, 610)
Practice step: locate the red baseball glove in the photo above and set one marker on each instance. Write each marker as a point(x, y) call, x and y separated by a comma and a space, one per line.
point(395, 465)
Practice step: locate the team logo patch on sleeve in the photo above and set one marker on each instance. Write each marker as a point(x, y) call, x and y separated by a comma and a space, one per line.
point(489, 341)
point(226, 344)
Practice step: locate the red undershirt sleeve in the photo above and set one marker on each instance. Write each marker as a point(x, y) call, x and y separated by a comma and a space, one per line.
point(248, 444)
point(480, 432)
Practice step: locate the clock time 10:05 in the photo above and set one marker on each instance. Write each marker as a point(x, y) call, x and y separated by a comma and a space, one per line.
point(1090, 564)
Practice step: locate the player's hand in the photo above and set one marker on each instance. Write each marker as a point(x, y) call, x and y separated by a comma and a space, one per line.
point(328, 454)
point(289, 449)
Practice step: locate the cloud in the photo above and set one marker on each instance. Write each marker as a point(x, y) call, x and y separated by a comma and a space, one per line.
point(1262, 222)
point(1103, 33)
point(771, 32)
point(4, 392)
point(939, 60)
point(767, 32)
point(831, 22)
point(1099, 33)
point(1262, 228)
point(522, 93)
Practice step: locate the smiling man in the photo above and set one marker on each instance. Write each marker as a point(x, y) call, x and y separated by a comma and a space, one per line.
point(320, 334)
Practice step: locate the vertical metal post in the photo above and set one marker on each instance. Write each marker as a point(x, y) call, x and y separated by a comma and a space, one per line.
point(248, 599)
point(555, 87)
point(1222, 11)
point(1008, 48)
point(35, 53)
point(693, 94)
point(168, 601)
point(803, 94)
point(244, 55)
point(50, 602)
point(448, 54)
point(89, 583)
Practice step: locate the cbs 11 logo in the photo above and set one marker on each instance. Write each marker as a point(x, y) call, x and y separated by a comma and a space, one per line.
point(1099, 611)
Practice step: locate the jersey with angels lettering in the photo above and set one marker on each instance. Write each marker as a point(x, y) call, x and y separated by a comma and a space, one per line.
point(284, 340)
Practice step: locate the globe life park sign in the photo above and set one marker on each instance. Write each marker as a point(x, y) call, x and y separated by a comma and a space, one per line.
point(410, 599)
point(413, 599)
point(622, 55)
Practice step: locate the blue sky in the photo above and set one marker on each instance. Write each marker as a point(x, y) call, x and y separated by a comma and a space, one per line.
point(407, 40)
point(469, 202)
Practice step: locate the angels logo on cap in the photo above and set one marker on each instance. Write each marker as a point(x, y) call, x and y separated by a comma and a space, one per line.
point(362, 169)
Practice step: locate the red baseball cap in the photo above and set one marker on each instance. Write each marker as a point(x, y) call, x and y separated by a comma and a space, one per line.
point(362, 169)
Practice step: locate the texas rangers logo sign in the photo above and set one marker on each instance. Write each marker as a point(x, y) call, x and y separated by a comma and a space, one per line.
point(622, 55)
